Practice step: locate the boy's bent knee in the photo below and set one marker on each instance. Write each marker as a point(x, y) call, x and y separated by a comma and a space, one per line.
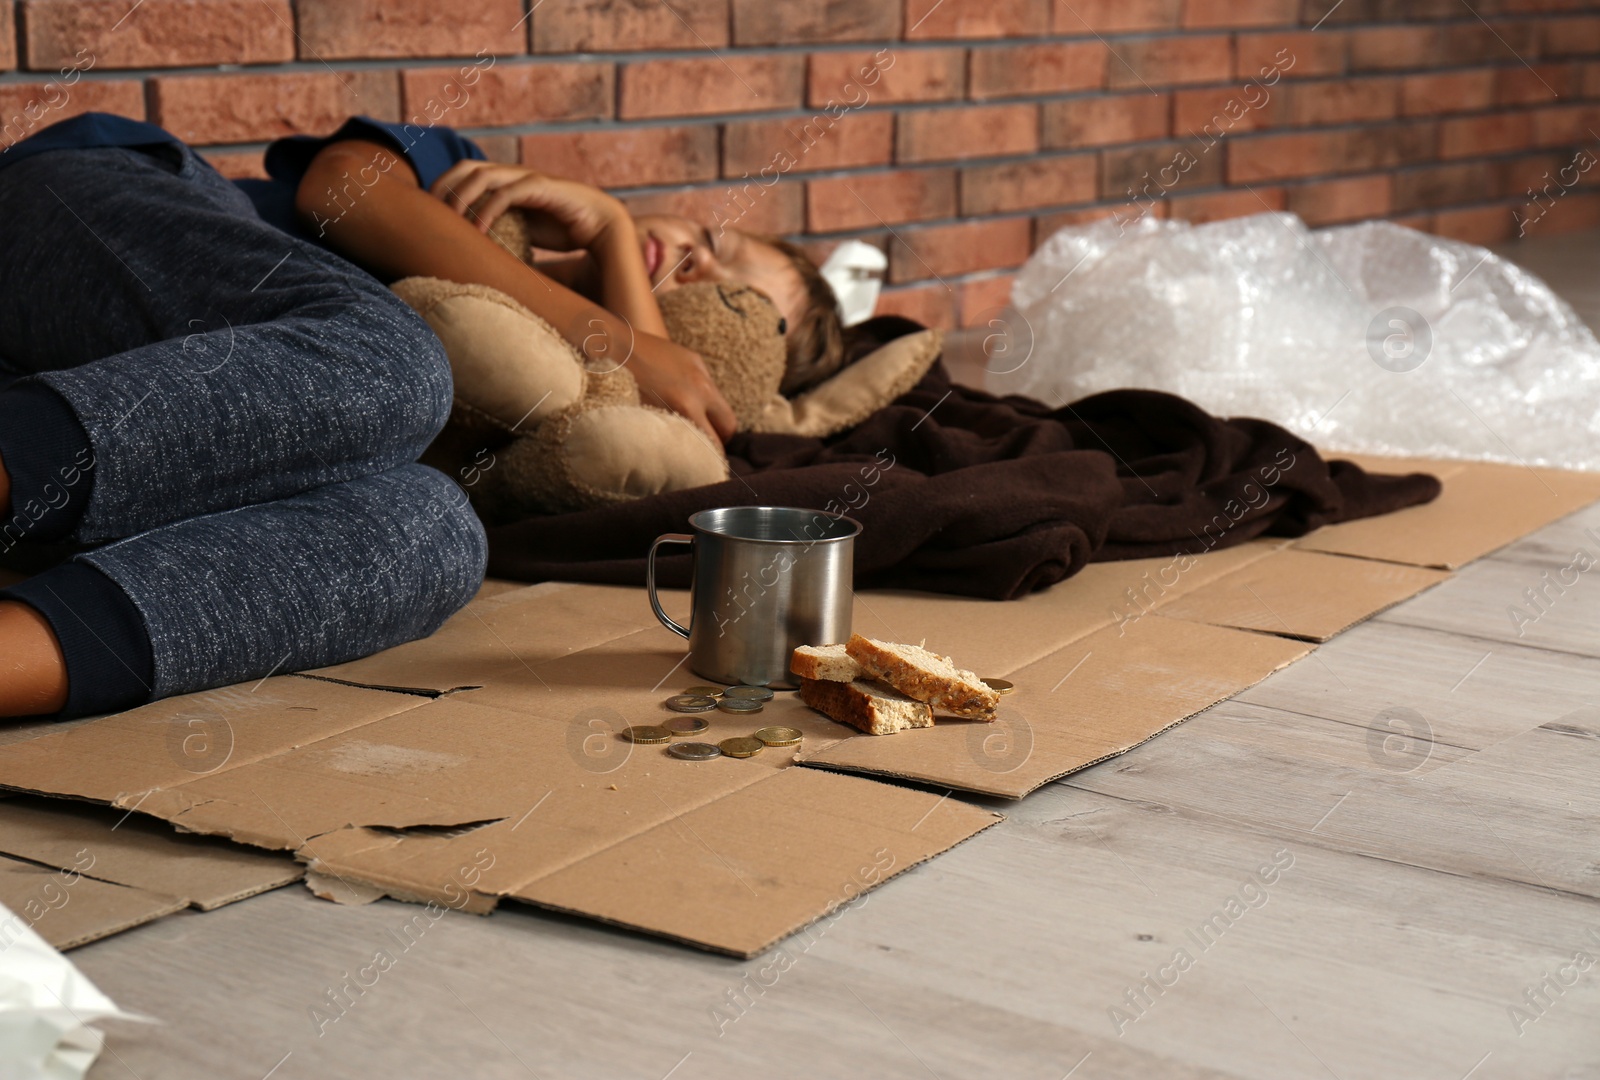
point(414, 389)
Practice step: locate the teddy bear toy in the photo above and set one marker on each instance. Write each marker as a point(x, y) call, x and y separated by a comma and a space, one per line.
point(539, 426)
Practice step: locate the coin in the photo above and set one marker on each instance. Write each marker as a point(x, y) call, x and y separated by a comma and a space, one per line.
point(740, 705)
point(695, 751)
point(686, 725)
point(753, 693)
point(742, 746)
point(1000, 686)
point(691, 703)
point(705, 691)
point(780, 736)
point(649, 733)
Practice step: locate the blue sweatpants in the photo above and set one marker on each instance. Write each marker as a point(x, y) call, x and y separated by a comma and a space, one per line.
point(223, 421)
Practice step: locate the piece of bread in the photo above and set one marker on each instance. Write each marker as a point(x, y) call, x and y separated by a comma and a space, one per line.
point(864, 704)
point(925, 676)
point(829, 662)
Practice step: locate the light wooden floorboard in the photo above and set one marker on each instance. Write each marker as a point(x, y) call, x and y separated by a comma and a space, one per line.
point(1434, 775)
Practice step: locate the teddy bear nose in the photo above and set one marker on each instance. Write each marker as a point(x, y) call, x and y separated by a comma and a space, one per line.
point(783, 325)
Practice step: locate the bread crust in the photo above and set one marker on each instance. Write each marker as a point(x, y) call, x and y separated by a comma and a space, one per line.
point(925, 676)
point(865, 705)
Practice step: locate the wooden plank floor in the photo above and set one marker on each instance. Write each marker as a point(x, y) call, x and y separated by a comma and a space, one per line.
point(1424, 789)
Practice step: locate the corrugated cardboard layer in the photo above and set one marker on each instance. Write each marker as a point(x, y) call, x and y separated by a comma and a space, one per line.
point(168, 742)
point(737, 874)
point(69, 910)
point(1089, 700)
point(1483, 507)
point(136, 851)
point(1302, 594)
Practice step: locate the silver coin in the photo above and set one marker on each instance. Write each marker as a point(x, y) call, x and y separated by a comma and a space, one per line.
point(694, 751)
point(740, 705)
point(754, 693)
point(689, 703)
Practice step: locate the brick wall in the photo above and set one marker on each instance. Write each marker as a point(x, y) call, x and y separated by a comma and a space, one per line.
point(958, 133)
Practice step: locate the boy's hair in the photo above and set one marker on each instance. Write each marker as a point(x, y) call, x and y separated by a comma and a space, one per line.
point(815, 339)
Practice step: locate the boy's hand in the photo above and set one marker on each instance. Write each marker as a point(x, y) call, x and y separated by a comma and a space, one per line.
point(675, 378)
point(576, 215)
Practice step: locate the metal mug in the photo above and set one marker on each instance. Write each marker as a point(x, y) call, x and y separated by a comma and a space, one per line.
point(766, 580)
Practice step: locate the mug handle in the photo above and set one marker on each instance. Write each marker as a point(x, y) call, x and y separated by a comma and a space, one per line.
point(650, 580)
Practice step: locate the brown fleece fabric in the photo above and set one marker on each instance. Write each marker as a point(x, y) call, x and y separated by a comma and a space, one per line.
point(962, 492)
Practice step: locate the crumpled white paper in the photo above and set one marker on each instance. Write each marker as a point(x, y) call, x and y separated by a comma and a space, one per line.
point(855, 270)
point(46, 1007)
point(1368, 337)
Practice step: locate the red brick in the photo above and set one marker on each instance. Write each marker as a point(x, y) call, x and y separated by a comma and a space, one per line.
point(949, 250)
point(1571, 213)
point(1115, 16)
point(1445, 185)
point(1419, 222)
point(157, 33)
point(985, 299)
point(29, 107)
point(975, 18)
point(789, 22)
point(1218, 205)
point(1476, 136)
point(974, 131)
point(1149, 173)
point(706, 85)
point(931, 305)
point(626, 157)
point(507, 93)
point(1591, 80)
point(859, 78)
point(499, 148)
point(1331, 201)
point(622, 25)
point(1456, 91)
point(255, 108)
point(1562, 125)
point(1298, 154)
point(1520, 177)
point(808, 144)
point(1021, 70)
point(878, 199)
point(746, 205)
point(1209, 14)
point(1394, 48)
point(345, 29)
point(1296, 55)
point(238, 165)
point(1479, 225)
point(8, 37)
point(1542, 84)
point(1029, 185)
point(1227, 110)
point(1345, 102)
point(1102, 121)
point(1174, 61)
point(1570, 37)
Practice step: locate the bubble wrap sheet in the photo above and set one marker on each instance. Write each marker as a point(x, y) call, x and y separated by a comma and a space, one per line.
point(1369, 337)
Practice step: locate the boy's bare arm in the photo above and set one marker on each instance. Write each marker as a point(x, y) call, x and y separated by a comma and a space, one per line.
point(365, 203)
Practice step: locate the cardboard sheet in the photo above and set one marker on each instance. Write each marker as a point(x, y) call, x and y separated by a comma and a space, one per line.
point(68, 910)
point(485, 763)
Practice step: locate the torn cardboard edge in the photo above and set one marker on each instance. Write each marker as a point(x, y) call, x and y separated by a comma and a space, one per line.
point(547, 656)
point(69, 909)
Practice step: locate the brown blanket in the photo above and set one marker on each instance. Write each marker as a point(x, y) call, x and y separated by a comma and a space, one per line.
point(959, 491)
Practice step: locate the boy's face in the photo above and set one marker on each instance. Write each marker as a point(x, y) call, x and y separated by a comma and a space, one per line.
point(679, 252)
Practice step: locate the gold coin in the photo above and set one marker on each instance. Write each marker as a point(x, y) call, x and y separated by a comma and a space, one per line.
point(1000, 686)
point(691, 703)
point(780, 736)
point(741, 747)
point(740, 705)
point(686, 725)
point(705, 691)
point(694, 751)
point(649, 733)
point(753, 693)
